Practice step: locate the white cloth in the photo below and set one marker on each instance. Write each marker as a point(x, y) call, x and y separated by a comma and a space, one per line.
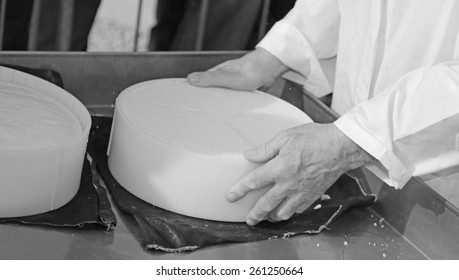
point(397, 76)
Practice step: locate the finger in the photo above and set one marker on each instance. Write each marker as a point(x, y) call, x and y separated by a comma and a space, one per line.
point(257, 179)
point(303, 207)
point(226, 75)
point(266, 151)
point(267, 203)
point(292, 205)
point(273, 215)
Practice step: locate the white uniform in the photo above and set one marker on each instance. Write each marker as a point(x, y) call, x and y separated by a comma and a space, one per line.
point(397, 76)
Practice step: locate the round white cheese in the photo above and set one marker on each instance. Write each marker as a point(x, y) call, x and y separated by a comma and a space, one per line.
point(181, 147)
point(43, 135)
point(30, 119)
point(211, 121)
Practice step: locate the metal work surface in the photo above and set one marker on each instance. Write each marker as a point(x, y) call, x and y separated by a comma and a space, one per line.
point(414, 223)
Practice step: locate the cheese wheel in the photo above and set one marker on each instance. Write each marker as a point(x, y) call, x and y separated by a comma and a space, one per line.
point(181, 147)
point(30, 119)
point(43, 135)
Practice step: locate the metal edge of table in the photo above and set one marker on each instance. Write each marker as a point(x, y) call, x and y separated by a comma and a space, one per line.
point(421, 215)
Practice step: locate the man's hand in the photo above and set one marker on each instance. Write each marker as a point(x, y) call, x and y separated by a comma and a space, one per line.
point(302, 163)
point(257, 69)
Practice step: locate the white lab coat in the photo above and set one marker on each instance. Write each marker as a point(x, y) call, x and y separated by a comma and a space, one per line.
point(397, 76)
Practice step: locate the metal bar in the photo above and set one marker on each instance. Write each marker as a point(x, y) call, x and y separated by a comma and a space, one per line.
point(34, 26)
point(263, 19)
point(2, 21)
point(75, 67)
point(202, 25)
point(64, 29)
point(137, 26)
point(316, 109)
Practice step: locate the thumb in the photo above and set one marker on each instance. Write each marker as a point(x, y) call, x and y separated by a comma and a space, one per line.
point(265, 151)
point(210, 78)
point(229, 74)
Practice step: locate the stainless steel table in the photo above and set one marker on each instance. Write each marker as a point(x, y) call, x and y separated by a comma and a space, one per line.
point(414, 223)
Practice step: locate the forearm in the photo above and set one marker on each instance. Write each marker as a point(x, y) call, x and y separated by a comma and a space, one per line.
point(308, 33)
point(411, 128)
point(347, 154)
point(350, 154)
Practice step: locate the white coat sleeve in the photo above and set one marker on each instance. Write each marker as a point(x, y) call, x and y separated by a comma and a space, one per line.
point(309, 32)
point(412, 128)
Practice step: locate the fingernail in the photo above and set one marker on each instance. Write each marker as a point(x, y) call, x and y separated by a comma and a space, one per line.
point(250, 153)
point(283, 216)
point(251, 222)
point(193, 78)
point(231, 197)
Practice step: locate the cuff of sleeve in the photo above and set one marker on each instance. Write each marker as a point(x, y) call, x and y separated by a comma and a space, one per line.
point(390, 169)
point(290, 46)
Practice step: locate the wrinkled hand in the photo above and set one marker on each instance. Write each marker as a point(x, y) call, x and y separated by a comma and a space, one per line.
point(302, 163)
point(257, 69)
